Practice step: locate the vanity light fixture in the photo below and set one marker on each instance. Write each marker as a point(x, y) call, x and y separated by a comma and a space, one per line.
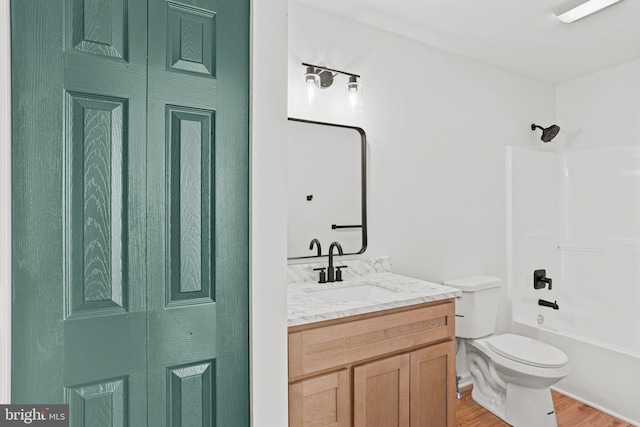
point(572, 10)
point(322, 77)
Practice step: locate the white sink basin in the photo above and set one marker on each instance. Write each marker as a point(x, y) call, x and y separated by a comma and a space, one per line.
point(350, 292)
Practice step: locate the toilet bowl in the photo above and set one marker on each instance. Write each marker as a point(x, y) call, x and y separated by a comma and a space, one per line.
point(513, 387)
point(511, 374)
point(523, 360)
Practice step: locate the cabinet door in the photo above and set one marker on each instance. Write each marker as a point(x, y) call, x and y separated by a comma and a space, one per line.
point(323, 401)
point(381, 393)
point(433, 373)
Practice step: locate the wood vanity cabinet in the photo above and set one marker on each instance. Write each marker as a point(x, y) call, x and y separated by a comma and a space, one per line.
point(385, 369)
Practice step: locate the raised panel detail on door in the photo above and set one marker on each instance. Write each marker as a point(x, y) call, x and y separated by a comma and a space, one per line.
point(190, 163)
point(99, 404)
point(323, 401)
point(433, 375)
point(98, 27)
point(96, 204)
point(191, 395)
point(381, 393)
point(190, 39)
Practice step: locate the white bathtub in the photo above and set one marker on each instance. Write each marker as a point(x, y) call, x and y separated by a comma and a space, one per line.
point(602, 375)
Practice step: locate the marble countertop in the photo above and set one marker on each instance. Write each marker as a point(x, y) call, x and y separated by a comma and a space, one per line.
point(304, 307)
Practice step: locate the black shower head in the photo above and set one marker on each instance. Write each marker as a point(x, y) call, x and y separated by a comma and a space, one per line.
point(547, 134)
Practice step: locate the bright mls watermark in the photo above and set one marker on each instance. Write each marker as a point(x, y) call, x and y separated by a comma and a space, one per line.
point(34, 415)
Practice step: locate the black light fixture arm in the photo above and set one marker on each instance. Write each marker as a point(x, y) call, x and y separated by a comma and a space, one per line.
point(330, 69)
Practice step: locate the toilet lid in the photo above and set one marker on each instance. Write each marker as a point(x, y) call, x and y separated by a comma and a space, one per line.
point(528, 351)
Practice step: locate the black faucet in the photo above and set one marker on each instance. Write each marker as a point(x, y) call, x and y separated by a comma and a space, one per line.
point(317, 243)
point(540, 279)
point(331, 271)
point(548, 304)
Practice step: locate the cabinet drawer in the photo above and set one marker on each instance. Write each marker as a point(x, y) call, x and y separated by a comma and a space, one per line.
point(353, 339)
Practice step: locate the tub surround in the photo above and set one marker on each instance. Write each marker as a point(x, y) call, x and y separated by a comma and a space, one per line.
point(304, 308)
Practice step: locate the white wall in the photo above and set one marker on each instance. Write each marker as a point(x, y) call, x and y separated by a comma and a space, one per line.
point(437, 125)
point(601, 109)
point(268, 213)
point(5, 205)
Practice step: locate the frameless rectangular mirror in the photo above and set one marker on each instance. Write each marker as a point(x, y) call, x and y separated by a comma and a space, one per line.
point(326, 187)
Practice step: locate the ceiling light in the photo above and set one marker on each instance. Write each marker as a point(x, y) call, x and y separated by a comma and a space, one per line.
point(573, 10)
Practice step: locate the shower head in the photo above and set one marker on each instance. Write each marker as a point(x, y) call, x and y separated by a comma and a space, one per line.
point(547, 134)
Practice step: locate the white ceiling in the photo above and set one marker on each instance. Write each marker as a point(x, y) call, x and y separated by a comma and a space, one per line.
point(520, 35)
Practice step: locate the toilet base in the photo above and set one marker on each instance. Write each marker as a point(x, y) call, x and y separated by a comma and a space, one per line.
point(523, 406)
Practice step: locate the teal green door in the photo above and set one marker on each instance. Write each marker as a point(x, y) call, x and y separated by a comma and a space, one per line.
point(130, 210)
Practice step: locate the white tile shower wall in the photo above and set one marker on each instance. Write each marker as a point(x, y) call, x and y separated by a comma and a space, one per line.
point(300, 273)
point(437, 125)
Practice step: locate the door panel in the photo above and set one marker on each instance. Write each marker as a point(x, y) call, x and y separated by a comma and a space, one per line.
point(190, 394)
point(130, 210)
point(104, 199)
point(96, 151)
point(79, 90)
point(198, 191)
point(182, 145)
point(98, 27)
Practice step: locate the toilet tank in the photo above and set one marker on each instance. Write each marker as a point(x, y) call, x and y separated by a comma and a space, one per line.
point(477, 308)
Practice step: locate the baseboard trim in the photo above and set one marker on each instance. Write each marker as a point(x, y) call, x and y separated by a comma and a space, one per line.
point(596, 406)
point(464, 381)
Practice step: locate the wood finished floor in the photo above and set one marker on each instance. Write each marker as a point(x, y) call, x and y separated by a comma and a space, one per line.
point(569, 413)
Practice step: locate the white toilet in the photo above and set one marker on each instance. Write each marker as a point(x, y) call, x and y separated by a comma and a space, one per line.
point(511, 374)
